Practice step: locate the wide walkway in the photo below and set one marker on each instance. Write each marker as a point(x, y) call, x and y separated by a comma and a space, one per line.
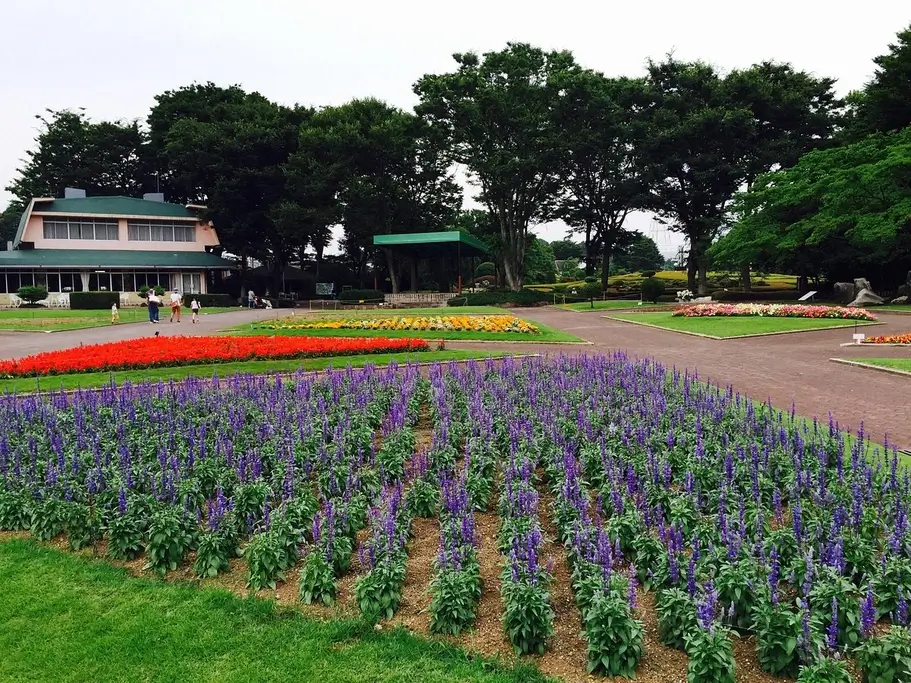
point(790, 369)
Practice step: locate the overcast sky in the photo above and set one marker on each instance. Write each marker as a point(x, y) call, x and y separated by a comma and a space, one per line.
point(113, 56)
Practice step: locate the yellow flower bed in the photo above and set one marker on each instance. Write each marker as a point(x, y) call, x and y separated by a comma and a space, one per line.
point(429, 323)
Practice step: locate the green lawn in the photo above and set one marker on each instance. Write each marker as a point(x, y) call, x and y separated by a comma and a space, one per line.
point(97, 379)
point(734, 326)
point(70, 619)
point(892, 363)
point(890, 309)
point(57, 319)
point(612, 304)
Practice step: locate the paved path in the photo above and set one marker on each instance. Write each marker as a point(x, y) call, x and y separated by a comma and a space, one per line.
point(788, 369)
point(15, 344)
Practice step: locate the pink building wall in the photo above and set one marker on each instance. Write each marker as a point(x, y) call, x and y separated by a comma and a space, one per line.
point(34, 232)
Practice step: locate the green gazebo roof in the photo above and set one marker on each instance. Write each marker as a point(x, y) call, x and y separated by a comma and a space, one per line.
point(103, 258)
point(430, 244)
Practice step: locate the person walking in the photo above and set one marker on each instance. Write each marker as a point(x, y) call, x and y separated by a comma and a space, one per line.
point(194, 307)
point(154, 303)
point(175, 305)
point(115, 314)
point(251, 298)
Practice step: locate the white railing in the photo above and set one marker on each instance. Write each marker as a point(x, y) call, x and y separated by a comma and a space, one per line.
point(419, 298)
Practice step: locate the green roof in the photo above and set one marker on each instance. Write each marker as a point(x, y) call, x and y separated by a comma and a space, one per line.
point(104, 206)
point(100, 258)
point(121, 206)
point(429, 244)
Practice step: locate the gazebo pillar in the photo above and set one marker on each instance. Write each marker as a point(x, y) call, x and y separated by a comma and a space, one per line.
point(414, 273)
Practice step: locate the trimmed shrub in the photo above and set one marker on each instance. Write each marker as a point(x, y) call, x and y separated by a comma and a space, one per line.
point(31, 294)
point(652, 289)
point(647, 273)
point(366, 295)
point(212, 300)
point(144, 291)
point(485, 268)
point(93, 300)
point(771, 295)
point(525, 297)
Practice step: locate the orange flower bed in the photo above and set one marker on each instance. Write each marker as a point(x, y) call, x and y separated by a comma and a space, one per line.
point(157, 352)
point(890, 339)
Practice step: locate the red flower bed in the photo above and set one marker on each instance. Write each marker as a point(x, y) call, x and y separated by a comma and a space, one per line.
point(157, 352)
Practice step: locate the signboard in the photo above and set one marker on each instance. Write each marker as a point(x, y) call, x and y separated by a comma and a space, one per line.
point(859, 337)
point(808, 296)
point(325, 288)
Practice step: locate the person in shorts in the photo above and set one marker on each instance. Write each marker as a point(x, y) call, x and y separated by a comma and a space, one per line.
point(175, 305)
point(194, 307)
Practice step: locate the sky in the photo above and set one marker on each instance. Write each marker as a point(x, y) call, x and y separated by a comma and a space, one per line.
point(112, 57)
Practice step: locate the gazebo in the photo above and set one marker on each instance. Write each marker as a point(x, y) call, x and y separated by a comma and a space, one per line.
point(449, 245)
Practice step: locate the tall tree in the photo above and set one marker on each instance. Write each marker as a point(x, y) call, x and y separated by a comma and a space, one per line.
point(600, 172)
point(104, 158)
point(884, 105)
point(834, 209)
point(640, 254)
point(710, 135)
point(495, 116)
point(233, 159)
point(540, 264)
point(567, 249)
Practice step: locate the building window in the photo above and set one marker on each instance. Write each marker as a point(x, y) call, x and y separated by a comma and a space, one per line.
point(189, 283)
point(63, 228)
point(160, 231)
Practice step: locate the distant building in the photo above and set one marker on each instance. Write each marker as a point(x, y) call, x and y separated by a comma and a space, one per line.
point(117, 244)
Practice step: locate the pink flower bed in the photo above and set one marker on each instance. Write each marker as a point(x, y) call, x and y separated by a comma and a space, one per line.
point(774, 311)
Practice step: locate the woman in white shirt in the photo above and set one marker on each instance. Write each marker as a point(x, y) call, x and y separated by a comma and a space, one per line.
point(175, 306)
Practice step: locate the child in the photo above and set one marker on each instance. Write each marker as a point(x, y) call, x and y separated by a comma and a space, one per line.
point(115, 314)
point(194, 307)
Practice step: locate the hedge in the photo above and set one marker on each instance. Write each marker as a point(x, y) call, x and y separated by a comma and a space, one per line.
point(366, 295)
point(525, 297)
point(737, 296)
point(93, 300)
point(211, 300)
point(652, 289)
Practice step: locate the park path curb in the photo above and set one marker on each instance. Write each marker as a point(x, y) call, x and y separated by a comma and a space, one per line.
point(870, 366)
point(742, 336)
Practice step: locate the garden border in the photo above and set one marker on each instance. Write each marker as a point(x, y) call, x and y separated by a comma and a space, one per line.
point(870, 366)
point(742, 336)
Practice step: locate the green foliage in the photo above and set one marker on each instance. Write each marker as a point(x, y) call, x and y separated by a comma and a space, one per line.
point(711, 656)
point(614, 637)
point(567, 249)
point(825, 670)
point(884, 105)
point(15, 512)
point(676, 617)
point(47, 519)
point(528, 617)
point(540, 265)
point(267, 559)
point(317, 580)
point(512, 150)
point(892, 578)
point(94, 300)
point(829, 586)
point(215, 549)
point(652, 289)
point(212, 300)
point(366, 295)
point(125, 536)
point(732, 583)
point(394, 452)
point(31, 294)
point(887, 658)
point(778, 632)
point(81, 524)
point(379, 592)
point(168, 540)
point(640, 255)
point(485, 268)
point(422, 499)
point(454, 599)
point(525, 297)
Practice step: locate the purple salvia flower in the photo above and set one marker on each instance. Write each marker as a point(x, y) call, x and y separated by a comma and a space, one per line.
point(867, 613)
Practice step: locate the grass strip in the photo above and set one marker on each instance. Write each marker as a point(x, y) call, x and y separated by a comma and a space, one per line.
point(69, 619)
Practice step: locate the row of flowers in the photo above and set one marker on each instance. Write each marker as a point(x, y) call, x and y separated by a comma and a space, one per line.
point(422, 323)
point(173, 351)
point(774, 311)
point(890, 339)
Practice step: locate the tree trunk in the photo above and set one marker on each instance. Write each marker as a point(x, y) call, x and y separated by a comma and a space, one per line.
point(691, 269)
point(745, 277)
point(703, 277)
point(510, 271)
point(319, 260)
point(393, 271)
point(589, 251)
point(605, 268)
